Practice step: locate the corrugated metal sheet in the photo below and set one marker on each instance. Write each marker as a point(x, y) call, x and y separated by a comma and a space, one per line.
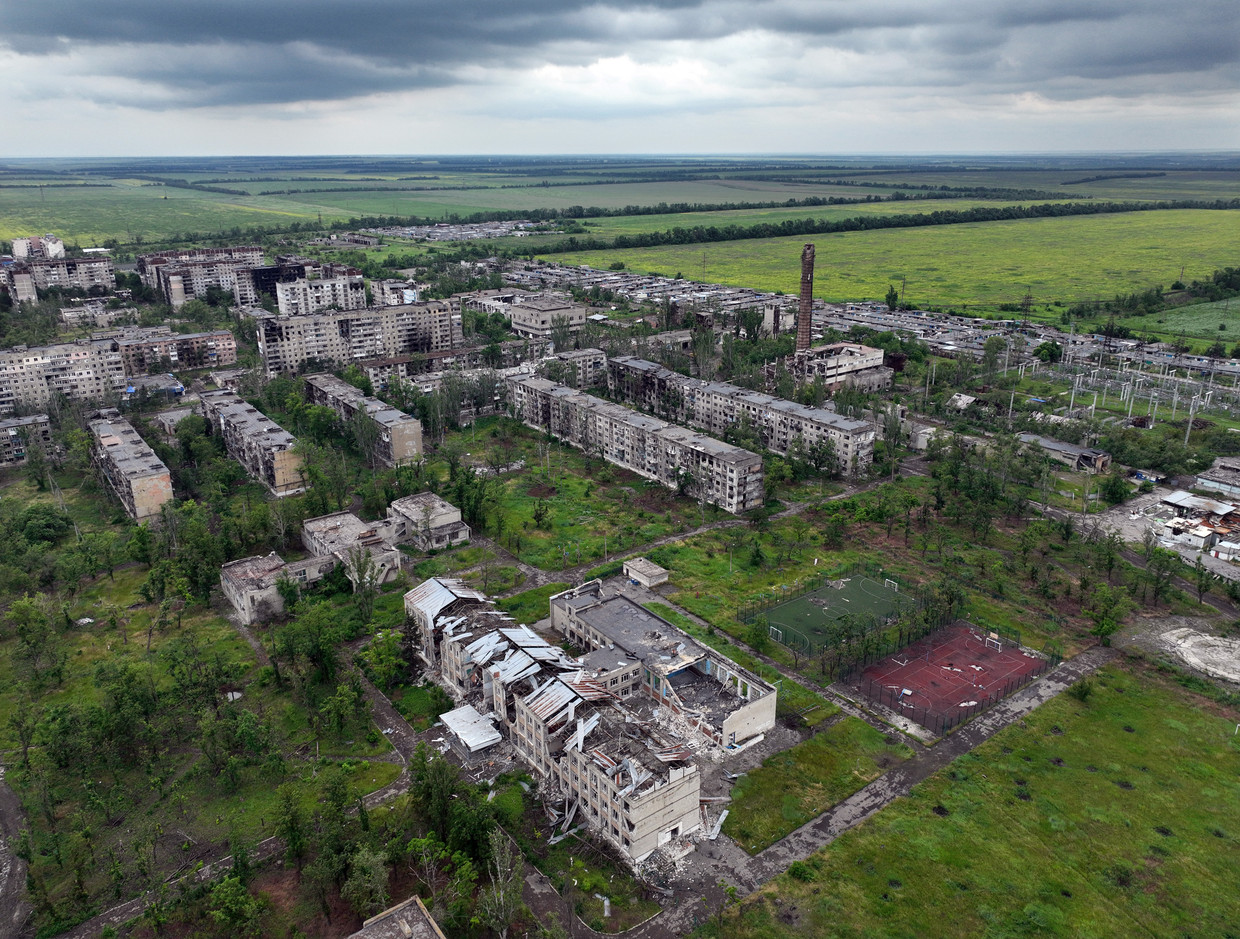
point(476, 732)
point(433, 595)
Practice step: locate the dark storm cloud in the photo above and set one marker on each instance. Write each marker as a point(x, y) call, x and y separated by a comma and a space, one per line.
point(267, 51)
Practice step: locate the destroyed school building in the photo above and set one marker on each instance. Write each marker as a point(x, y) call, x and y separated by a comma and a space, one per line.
point(616, 731)
point(398, 437)
point(255, 441)
point(132, 470)
point(252, 585)
point(717, 407)
point(719, 473)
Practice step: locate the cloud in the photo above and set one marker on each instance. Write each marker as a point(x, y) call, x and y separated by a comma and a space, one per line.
point(591, 61)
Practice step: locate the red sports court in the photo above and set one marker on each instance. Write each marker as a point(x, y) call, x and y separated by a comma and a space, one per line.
point(949, 675)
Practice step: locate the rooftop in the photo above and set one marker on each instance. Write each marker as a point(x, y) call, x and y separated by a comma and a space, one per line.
point(254, 572)
point(127, 451)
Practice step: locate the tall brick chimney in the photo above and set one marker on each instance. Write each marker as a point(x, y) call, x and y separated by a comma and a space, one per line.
point(805, 313)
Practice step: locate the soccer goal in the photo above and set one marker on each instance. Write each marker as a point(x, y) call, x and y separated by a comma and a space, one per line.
point(891, 585)
point(994, 642)
point(775, 633)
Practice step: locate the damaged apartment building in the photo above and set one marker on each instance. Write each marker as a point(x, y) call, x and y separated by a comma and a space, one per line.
point(252, 585)
point(398, 437)
point(138, 477)
point(255, 441)
point(718, 407)
point(615, 731)
point(716, 472)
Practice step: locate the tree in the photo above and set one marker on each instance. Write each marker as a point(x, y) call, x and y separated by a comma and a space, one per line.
point(365, 432)
point(364, 573)
point(893, 297)
point(758, 635)
point(1049, 351)
point(500, 902)
point(233, 906)
point(1114, 488)
point(291, 824)
point(1203, 579)
point(1106, 608)
point(561, 332)
point(367, 886)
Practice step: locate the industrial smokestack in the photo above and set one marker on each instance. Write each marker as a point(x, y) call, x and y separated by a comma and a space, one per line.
point(805, 313)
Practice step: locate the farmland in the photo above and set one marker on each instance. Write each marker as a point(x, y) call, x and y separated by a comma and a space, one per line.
point(976, 264)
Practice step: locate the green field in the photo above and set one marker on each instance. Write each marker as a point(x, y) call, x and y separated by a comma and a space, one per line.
point(1198, 321)
point(984, 263)
point(792, 787)
point(1113, 817)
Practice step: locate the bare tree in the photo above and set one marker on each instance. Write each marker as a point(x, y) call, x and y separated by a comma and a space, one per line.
point(499, 903)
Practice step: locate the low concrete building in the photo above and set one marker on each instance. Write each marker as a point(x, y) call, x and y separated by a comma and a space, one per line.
point(1089, 459)
point(843, 363)
point(536, 317)
point(19, 434)
point(348, 539)
point(255, 441)
point(131, 468)
point(1223, 477)
point(427, 522)
point(407, 920)
point(644, 572)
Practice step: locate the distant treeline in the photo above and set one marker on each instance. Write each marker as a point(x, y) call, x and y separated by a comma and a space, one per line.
point(1098, 179)
point(810, 226)
point(55, 185)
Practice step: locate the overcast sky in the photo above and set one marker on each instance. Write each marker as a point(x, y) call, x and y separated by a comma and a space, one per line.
point(137, 77)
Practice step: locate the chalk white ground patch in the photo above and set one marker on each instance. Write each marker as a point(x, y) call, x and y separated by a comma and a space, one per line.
point(1210, 654)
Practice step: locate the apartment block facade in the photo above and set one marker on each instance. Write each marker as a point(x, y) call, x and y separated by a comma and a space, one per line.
point(536, 316)
point(288, 342)
point(720, 473)
point(81, 371)
point(314, 293)
point(183, 274)
point(138, 477)
point(143, 354)
point(717, 407)
point(19, 434)
point(400, 436)
point(25, 277)
point(255, 441)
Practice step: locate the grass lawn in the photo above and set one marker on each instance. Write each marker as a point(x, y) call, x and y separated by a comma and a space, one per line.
point(986, 263)
point(1112, 817)
point(421, 705)
point(530, 606)
point(799, 784)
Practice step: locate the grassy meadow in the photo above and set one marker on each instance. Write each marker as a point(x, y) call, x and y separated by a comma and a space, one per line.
point(1111, 816)
point(972, 265)
point(799, 784)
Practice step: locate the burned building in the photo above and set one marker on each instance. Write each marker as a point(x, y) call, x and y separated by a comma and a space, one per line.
point(427, 521)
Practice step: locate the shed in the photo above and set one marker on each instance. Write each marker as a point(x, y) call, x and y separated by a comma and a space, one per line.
point(645, 572)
